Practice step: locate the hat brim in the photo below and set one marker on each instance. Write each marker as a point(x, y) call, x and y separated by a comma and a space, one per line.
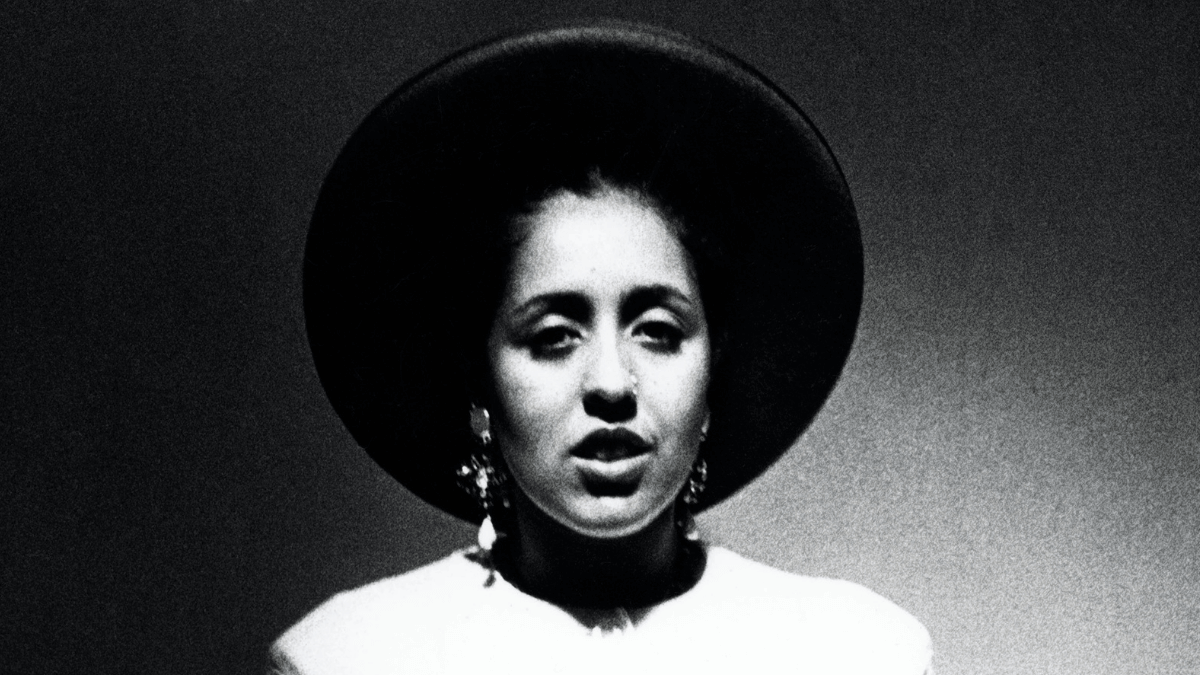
point(385, 271)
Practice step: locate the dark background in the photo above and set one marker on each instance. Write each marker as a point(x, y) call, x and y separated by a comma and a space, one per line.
point(1013, 453)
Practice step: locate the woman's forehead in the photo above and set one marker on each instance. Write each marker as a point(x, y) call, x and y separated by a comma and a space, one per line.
point(581, 243)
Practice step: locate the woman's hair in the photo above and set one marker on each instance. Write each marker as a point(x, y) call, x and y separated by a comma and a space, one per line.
point(513, 227)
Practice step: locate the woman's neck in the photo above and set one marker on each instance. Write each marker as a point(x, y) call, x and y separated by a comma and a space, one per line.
point(549, 561)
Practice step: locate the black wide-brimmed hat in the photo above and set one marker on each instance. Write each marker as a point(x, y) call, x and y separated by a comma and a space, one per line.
point(398, 256)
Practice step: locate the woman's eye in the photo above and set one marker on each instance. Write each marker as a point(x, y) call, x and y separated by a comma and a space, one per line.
point(660, 334)
point(552, 341)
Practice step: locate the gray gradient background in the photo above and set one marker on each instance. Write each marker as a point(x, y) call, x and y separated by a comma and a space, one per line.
point(1013, 453)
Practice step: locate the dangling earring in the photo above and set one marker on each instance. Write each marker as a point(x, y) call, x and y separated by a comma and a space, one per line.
point(484, 479)
point(695, 483)
point(685, 520)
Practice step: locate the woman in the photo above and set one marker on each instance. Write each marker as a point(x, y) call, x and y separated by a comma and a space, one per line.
point(578, 285)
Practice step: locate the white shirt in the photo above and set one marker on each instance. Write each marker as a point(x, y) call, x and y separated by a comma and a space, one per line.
point(456, 616)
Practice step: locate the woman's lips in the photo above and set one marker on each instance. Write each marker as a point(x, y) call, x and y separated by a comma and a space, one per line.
point(612, 461)
point(614, 452)
point(611, 445)
point(616, 478)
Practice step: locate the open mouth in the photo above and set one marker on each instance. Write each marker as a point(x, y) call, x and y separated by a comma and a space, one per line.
point(613, 478)
point(612, 462)
point(611, 445)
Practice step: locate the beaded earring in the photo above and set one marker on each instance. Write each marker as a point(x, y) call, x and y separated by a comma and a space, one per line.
point(695, 483)
point(484, 479)
point(690, 496)
point(685, 521)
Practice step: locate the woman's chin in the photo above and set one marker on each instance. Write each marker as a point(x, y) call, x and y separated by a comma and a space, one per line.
point(611, 517)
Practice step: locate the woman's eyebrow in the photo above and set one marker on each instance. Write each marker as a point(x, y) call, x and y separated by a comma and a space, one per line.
point(569, 304)
point(642, 298)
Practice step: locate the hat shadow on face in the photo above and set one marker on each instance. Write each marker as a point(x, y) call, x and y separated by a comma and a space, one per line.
point(410, 238)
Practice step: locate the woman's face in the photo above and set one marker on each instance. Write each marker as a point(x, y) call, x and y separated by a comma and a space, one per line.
point(599, 358)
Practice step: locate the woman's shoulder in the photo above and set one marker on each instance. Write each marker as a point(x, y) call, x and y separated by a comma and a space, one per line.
point(732, 573)
point(364, 624)
point(823, 619)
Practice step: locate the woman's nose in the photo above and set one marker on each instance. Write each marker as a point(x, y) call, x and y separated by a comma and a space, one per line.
point(610, 392)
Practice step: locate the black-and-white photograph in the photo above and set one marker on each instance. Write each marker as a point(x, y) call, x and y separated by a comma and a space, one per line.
point(822, 337)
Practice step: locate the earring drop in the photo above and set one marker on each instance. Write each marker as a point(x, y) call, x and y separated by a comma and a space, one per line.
point(487, 534)
point(686, 525)
point(487, 484)
point(484, 479)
